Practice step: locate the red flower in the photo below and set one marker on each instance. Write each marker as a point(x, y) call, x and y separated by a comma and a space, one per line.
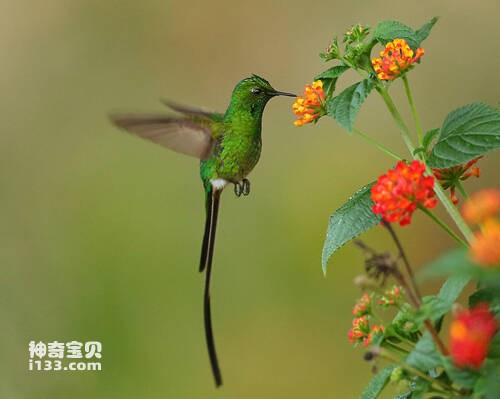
point(470, 334)
point(402, 190)
point(450, 177)
point(396, 58)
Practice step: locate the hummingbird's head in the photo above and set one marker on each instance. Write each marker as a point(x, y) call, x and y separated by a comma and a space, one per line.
point(254, 93)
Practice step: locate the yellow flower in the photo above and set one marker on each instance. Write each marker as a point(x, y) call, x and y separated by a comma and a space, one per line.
point(312, 105)
point(395, 59)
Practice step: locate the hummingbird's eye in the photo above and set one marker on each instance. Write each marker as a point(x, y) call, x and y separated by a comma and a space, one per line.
point(256, 90)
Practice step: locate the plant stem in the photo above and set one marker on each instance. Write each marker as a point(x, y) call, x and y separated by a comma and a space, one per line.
point(436, 338)
point(413, 110)
point(451, 209)
point(402, 253)
point(403, 129)
point(376, 144)
point(461, 189)
point(443, 225)
point(386, 355)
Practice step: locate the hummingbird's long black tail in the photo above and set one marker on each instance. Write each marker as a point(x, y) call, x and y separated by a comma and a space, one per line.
point(207, 250)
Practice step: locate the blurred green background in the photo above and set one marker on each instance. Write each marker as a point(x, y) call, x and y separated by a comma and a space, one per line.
point(100, 232)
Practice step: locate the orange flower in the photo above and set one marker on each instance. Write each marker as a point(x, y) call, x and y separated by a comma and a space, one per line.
point(391, 297)
point(377, 329)
point(450, 177)
point(485, 246)
point(359, 331)
point(482, 206)
point(397, 194)
point(363, 306)
point(470, 334)
point(311, 106)
point(396, 58)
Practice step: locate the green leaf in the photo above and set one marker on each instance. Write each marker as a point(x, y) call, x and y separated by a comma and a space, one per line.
point(346, 105)
point(467, 132)
point(333, 72)
point(456, 262)
point(387, 31)
point(377, 384)
point(448, 294)
point(330, 77)
point(462, 377)
point(350, 220)
point(429, 138)
point(424, 31)
point(425, 355)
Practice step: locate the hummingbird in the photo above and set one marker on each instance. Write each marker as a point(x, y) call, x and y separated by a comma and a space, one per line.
point(228, 146)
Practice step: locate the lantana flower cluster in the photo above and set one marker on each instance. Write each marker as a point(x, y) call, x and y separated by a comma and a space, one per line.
point(470, 336)
point(362, 330)
point(312, 105)
point(399, 192)
point(395, 59)
point(482, 209)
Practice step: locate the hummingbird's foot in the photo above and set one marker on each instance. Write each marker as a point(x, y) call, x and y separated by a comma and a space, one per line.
point(242, 188)
point(238, 189)
point(246, 186)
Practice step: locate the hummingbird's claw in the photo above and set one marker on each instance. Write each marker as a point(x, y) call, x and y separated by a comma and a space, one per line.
point(242, 188)
point(246, 186)
point(238, 189)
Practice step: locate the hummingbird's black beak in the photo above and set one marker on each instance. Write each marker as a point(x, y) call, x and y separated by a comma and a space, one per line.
point(282, 93)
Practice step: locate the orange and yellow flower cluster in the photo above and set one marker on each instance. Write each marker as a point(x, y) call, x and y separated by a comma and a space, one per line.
point(312, 105)
point(397, 194)
point(483, 208)
point(470, 335)
point(396, 58)
point(361, 332)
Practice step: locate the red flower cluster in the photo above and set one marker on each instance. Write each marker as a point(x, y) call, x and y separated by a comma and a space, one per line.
point(396, 58)
point(470, 334)
point(450, 177)
point(401, 191)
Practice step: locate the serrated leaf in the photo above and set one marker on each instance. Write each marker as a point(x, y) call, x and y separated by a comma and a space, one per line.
point(333, 72)
point(387, 31)
point(424, 31)
point(377, 384)
point(429, 137)
point(350, 220)
point(456, 263)
point(467, 133)
point(345, 107)
point(424, 356)
point(462, 377)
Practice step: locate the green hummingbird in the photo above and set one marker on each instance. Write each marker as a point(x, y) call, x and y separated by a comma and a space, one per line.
point(228, 146)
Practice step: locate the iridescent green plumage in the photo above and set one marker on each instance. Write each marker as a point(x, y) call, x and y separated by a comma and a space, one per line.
point(228, 146)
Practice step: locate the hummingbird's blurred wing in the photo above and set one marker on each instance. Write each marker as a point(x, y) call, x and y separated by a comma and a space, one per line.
point(193, 111)
point(182, 135)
